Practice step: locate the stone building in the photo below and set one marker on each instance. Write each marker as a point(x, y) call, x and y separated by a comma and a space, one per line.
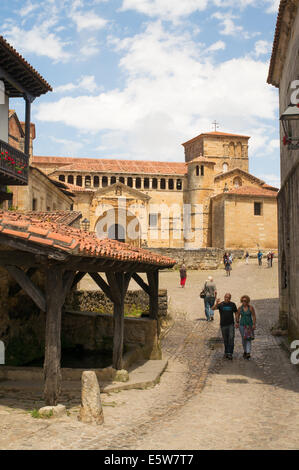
point(41, 193)
point(284, 74)
point(207, 201)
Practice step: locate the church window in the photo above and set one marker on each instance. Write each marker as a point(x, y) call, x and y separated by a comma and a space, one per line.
point(153, 220)
point(179, 184)
point(231, 149)
point(170, 184)
point(96, 181)
point(163, 183)
point(146, 183)
point(257, 208)
point(70, 179)
point(237, 182)
point(239, 149)
point(225, 167)
point(113, 180)
point(87, 181)
point(79, 180)
point(122, 180)
point(155, 183)
point(202, 170)
point(130, 182)
point(138, 183)
point(61, 178)
point(197, 170)
point(104, 181)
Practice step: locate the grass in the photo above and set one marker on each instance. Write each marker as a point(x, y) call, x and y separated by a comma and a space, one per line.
point(36, 414)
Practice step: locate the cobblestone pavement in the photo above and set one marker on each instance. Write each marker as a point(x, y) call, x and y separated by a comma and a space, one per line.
point(202, 400)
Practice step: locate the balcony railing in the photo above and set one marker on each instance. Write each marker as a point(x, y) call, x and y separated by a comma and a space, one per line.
point(14, 166)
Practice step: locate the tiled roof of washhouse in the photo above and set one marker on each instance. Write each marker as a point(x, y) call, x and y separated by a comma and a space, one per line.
point(58, 217)
point(37, 231)
point(114, 166)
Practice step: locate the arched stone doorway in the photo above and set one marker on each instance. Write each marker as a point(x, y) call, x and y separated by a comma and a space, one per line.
point(119, 224)
point(117, 232)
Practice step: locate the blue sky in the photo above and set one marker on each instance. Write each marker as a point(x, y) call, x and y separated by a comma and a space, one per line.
point(134, 79)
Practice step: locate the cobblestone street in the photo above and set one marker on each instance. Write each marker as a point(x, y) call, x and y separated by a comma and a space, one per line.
point(202, 401)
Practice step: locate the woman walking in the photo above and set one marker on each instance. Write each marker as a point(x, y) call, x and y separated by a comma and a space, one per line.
point(246, 325)
point(183, 275)
point(227, 266)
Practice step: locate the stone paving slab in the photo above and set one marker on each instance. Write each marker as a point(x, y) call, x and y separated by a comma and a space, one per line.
point(143, 374)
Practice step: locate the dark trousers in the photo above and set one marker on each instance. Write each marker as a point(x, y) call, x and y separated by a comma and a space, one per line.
point(228, 334)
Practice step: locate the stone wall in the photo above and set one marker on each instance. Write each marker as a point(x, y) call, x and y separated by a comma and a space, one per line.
point(94, 332)
point(204, 258)
point(96, 301)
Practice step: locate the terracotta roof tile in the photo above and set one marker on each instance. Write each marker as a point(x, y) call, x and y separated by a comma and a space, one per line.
point(74, 241)
point(113, 166)
point(215, 134)
point(15, 233)
point(28, 69)
point(39, 240)
point(38, 230)
point(252, 191)
point(59, 217)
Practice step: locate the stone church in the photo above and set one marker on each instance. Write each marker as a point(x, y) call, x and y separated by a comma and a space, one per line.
point(210, 200)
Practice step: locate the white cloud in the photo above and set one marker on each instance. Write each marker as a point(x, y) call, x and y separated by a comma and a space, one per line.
point(217, 46)
point(87, 20)
point(262, 47)
point(167, 9)
point(273, 6)
point(69, 148)
point(271, 179)
point(28, 8)
point(173, 10)
point(86, 82)
point(228, 24)
point(39, 40)
point(172, 91)
point(89, 48)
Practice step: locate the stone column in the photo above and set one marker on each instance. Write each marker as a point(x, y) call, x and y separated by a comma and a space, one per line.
point(244, 151)
point(226, 150)
point(91, 408)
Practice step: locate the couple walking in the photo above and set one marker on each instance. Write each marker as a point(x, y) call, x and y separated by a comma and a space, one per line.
point(244, 315)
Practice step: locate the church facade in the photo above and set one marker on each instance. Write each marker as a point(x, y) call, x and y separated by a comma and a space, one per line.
point(210, 200)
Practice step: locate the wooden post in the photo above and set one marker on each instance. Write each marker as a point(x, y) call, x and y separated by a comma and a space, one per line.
point(118, 283)
point(57, 285)
point(27, 126)
point(153, 282)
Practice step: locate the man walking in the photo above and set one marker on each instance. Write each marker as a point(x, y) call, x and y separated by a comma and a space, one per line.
point(260, 257)
point(210, 296)
point(227, 323)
